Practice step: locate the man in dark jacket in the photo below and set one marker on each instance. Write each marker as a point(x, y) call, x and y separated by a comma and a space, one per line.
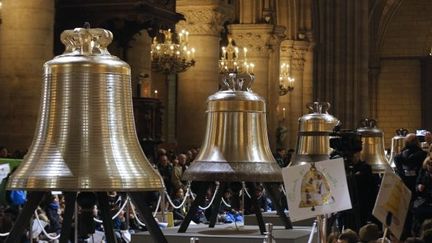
point(408, 164)
point(409, 161)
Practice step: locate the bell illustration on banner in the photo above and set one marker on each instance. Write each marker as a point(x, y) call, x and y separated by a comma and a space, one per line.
point(313, 137)
point(373, 151)
point(315, 189)
point(85, 138)
point(236, 146)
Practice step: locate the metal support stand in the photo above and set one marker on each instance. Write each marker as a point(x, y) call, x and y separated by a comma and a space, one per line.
point(272, 191)
point(106, 216)
point(200, 197)
point(216, 205)
point(33, 200)
point(156, 233)
point(35, 197)
point(70, 198)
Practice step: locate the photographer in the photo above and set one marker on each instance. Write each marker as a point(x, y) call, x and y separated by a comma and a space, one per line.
point(362, 184)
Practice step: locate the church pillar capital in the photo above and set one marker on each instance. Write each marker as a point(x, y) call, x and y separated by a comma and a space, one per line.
point(294, 52)
point(260, 39)
point(204, 17)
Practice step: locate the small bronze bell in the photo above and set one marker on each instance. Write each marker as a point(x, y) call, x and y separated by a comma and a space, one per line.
point(313, 139)
point(373, 146)
point(85, 138)
point(236, 146)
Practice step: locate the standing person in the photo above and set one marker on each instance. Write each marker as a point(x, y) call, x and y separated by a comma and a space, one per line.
point(409, 161)
point(367, 188)
point(422, 205)
point(408, 164)
point(177, 173)
point(281, 157)
point(165, 170)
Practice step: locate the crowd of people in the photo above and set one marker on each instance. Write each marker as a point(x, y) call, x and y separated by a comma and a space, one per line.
point(413, 165)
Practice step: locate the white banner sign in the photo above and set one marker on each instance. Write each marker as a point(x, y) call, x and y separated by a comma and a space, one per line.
point(392, 204)
point(316, 188)
point(4, 170)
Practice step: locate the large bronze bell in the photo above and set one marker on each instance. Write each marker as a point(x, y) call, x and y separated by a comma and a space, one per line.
point(373, 146)
point(313, 138)
point(397, 144)
point(85, 138)
point(236, 146)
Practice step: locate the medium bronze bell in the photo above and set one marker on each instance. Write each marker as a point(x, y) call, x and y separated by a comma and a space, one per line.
point(313, 137)
point(397, 144)
point(236, 146)
point(373, 146)
point(85, 138)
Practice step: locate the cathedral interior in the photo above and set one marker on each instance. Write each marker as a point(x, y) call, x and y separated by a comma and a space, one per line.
point(362, 61)
point(368, 59)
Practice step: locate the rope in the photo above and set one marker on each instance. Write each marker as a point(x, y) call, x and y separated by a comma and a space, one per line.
point(181, 204)
point(283, 190)
point(136, 216)
point(4, 234)
point(226, 204)
point(245, 190)
point(157, 206)
point(117, 214)
point(211, 201)
point(43, 229)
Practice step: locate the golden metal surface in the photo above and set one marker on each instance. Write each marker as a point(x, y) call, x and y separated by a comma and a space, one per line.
point(373, 146)
point(85, 138)
point(397, 144)
point(236, 146)
point(313, 139)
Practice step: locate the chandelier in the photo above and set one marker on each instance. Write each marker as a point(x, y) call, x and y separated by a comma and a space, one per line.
point(232, 62)
point(286, 82)
point(169, 57)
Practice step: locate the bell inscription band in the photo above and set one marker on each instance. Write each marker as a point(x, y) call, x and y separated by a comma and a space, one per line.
point(85, 140)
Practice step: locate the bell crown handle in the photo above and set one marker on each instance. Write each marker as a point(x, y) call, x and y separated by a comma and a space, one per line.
point(86, 41)
point(402, 132)
point(368, 122)
point(237, 82)
point(318, 107)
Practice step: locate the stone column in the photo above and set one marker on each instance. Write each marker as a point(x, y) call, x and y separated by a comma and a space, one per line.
point(341, 56)
point(26, 42)
point(204, 21)
point(263, 42)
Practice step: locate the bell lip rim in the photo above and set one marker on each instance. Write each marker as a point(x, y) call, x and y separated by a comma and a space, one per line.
point(86, 189)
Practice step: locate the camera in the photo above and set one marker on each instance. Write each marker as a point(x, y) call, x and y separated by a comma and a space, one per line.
point(345, 143)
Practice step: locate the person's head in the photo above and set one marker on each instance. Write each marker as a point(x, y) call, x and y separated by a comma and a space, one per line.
point(163, 160)
point(161, 152)
point(182, 158)
point(411, 140)
point(369, 232)
point(179, 193)
point(427, 235)
point(348, 236)
point(426, 225)
point(332, 237)
point(281, 151)
point(427, 164)
point(428, 137)
point(4, 153)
